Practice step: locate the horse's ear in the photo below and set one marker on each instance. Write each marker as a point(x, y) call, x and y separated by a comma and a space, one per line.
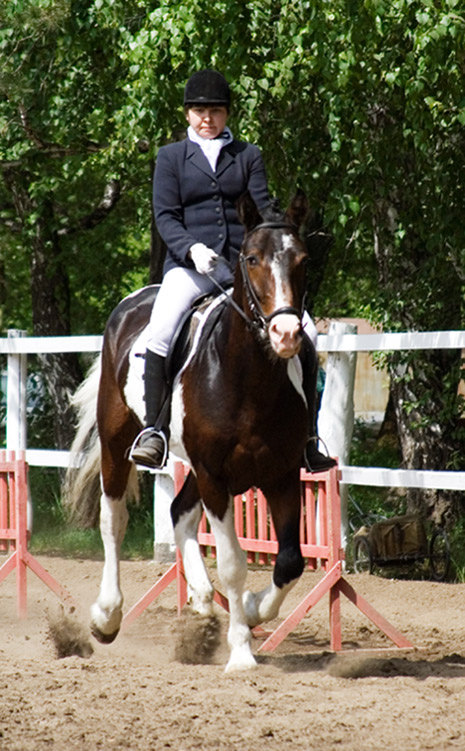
point(298, 209)
point(247, 211)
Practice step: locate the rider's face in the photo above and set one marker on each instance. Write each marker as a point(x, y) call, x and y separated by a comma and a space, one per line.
point(208, 120)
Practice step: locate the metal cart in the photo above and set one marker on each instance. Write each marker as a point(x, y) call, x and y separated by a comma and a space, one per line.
point(401, 540)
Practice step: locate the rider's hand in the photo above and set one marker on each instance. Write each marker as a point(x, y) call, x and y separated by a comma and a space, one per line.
point(204, 258)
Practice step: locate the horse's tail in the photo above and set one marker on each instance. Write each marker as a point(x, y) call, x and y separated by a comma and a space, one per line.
point(81, 489)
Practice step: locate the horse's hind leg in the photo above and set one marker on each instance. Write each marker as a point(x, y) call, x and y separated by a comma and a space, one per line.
point(186, 511)
point(107, 611)
point(116, 475)
point(285, 506)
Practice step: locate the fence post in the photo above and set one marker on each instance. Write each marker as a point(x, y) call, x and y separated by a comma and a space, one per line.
point(16, 436)
point(164, 546)
point(16, 401)
point(336, 414)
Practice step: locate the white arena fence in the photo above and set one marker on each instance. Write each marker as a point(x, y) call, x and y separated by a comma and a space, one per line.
point(17, 347)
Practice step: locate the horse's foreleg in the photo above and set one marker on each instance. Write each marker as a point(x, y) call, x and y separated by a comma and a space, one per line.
point(285, 510)
point(232, 570)
point(106, 612)
point(186, 511)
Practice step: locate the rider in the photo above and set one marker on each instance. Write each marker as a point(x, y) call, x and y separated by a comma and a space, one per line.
point(196, 185)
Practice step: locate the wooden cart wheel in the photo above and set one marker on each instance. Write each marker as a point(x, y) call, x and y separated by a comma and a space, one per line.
point(363, 559)
point(439, 555)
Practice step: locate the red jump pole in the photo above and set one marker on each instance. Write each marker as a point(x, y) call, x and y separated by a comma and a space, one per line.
point(333, 582)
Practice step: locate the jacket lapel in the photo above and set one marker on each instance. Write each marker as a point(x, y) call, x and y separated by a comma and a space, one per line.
point(227, 157)
point(197, 158)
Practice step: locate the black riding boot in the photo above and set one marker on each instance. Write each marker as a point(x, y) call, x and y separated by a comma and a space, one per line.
point(314, 460)
point(150, 449)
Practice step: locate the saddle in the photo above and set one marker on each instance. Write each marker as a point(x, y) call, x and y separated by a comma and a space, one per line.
point(182, 341)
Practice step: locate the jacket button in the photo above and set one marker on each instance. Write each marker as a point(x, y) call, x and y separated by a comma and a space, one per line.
point(213, 184)
point(217, 210)
point(220, 236)
point(220, 222)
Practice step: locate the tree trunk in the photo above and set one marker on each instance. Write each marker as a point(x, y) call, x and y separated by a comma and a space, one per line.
point(51, 317)
point(426, 442)
point(50, 304)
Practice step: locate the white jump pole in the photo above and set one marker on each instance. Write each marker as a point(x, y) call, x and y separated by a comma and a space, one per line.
point(336, 414)
point(16, 399)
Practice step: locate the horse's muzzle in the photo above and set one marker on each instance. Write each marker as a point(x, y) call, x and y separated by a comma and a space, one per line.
point(285, 333)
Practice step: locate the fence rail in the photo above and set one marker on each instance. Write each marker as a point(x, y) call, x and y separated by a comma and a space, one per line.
point(391, 342)
point(414, 340)
point(34, 345)
point(17, 347)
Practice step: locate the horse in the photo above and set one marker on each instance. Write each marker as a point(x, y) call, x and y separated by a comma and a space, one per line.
point(239, 420)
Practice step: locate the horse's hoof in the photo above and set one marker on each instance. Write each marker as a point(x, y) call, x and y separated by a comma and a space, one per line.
point(240, 659)
point(101, 637)
point(105, 623)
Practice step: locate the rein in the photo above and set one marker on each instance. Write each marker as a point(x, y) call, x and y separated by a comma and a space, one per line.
point(231, 302)
point(259, 320)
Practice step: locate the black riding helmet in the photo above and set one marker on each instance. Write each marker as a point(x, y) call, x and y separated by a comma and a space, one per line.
point(207, 87)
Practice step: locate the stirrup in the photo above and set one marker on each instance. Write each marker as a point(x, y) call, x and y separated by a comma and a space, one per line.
point(150, 431)
point(324, 462)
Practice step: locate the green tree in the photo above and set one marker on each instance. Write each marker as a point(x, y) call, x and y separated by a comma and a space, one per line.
point(362, 105)
point(61, 79)
point(359, 103)
point(396, 109)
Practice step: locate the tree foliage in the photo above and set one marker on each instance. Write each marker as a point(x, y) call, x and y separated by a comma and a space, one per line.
point(359, 103)
point(60, 85)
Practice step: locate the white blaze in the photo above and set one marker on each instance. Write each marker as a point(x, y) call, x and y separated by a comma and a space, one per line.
point(285, 327)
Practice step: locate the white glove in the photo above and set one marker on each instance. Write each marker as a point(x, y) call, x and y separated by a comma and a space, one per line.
point(205, 259)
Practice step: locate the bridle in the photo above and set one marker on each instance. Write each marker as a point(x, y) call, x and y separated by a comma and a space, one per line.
point(259, 321)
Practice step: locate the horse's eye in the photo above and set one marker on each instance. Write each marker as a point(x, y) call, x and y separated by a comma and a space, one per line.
point(252, 261)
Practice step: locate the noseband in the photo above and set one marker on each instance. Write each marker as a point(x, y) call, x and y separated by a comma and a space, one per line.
point(259, 319)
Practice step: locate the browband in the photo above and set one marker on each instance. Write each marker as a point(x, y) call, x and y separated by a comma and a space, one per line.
point(274, 225)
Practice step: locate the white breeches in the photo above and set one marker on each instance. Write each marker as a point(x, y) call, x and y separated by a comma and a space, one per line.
point(179, 288)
